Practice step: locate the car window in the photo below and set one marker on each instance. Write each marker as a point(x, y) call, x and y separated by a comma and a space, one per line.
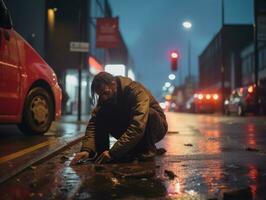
point(2, 7)
point(3, 14)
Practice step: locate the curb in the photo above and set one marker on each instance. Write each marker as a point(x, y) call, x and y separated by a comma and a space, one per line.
point(43, 157)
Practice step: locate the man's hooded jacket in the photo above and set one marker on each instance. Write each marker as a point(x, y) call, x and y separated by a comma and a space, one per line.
point(133, 99)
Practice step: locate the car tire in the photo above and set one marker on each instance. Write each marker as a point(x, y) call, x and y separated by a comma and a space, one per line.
point(38, 112)
point(240, 111)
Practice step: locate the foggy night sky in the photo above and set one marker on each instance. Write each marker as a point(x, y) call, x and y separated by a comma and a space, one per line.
point(152, 28)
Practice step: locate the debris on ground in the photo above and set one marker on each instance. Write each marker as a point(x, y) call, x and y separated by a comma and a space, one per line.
point(160, 151)
point(173, 132)
point(251, 149)
point(33, 167)
point(171, 175)
point(134, 172)
point(188, 145)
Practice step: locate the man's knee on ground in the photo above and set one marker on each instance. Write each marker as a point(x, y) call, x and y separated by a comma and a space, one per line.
point(156, 124)
point(153, 115)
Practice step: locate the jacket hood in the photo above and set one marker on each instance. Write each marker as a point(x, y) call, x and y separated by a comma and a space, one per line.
point(124, 81)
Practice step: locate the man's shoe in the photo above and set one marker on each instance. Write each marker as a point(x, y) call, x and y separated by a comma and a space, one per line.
point(149, 155)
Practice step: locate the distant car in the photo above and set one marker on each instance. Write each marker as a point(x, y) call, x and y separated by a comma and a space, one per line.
point(169, 106)
point(200, 102)
point(29, 92)
point(242, 100)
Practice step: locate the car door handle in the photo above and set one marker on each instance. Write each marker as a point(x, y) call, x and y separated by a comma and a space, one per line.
point(6, 35)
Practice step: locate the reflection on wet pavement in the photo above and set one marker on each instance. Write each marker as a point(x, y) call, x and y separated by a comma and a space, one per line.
point(250, 137)
point(205, 159)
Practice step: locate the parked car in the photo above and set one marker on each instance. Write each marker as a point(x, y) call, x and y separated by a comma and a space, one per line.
point(208, 102)
point(29, 93)
point(242, 100)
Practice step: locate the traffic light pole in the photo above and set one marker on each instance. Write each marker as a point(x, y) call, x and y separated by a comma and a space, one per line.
point(222, 61)
point(189, 58)
point(80, 65)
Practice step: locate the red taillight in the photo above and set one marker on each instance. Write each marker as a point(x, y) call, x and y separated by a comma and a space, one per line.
point(250, 89)
point(208, 96)
point(241, 90)
point(215, 96)
point(200, 96)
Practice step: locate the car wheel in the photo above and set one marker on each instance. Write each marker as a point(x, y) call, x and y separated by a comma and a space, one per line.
point(240, 111)
point(38, 112)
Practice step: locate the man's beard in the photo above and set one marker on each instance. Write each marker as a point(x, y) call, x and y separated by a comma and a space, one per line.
point(110, 102)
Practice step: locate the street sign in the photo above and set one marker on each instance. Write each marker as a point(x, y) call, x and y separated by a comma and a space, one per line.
point(79, 47)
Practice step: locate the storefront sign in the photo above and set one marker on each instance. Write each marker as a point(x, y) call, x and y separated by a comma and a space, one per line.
point(107, 33)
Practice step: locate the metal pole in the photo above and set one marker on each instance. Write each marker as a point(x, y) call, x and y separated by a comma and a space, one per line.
point(256, 60)
point(189, 58)
point(222, 61)
point(222, 12)
point(180, 76)
point(80, 68)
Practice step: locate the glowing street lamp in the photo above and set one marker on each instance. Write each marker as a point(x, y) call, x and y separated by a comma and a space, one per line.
point(171, 77)
point(187, 25)
point(167, 84)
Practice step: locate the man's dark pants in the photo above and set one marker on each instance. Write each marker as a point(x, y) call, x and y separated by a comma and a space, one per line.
point(110, 121)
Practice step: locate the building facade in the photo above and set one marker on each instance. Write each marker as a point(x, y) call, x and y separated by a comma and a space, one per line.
point(224, 52)
point(247, 57)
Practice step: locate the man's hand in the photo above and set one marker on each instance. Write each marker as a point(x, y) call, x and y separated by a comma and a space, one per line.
point(103, 158)
point(79, 156)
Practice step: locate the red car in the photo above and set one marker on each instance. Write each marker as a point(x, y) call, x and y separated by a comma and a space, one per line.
point(208, 102)
point(29, 93)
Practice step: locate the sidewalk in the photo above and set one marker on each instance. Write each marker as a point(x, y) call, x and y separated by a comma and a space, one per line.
point(74, 119)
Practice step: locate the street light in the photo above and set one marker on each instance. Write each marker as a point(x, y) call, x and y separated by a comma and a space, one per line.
point(171, 77)
point(167, 84)
point(188, 25)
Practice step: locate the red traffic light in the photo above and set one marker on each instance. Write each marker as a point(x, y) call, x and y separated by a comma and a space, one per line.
point(174, 55)
point(174, 60)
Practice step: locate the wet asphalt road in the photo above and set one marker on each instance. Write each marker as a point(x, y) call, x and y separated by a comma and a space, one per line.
point(208, 157)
